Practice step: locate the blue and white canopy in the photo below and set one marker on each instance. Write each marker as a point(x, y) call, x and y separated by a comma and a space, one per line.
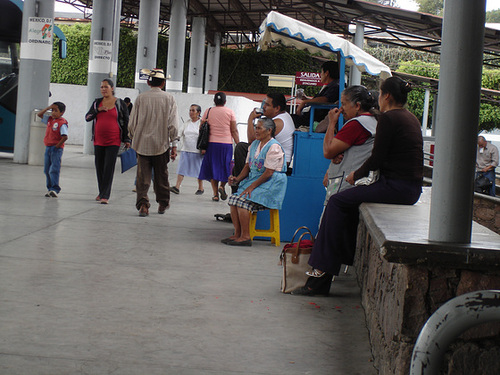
point(290, 32)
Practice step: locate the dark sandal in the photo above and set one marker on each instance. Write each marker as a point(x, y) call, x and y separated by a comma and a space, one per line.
point(215, 198)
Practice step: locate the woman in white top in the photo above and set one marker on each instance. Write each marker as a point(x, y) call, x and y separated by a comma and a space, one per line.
point(191, 158)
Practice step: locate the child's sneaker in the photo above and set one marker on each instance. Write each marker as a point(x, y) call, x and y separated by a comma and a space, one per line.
point(53, 194)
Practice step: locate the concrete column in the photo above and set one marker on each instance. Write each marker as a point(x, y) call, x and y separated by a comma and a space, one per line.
point(457, 121)
point(212, 68)
point(197, 56)
point(359, 40)
point(176, 45)
point(147, 40)
point(209, 67)
point(103, 54)
point(34, 70)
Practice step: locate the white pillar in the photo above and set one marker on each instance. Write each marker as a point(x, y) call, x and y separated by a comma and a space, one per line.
point(212, 68)
point(457, 121)
point(34, 70)
point(103, 54)
point(147, 40)
point(359, 40)
point(197, 56)
point(176, 45)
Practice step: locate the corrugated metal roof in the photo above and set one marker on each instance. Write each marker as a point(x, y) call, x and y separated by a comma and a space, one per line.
point(238, 21)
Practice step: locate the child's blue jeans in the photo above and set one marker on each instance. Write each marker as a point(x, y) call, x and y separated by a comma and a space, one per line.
point(52, 167)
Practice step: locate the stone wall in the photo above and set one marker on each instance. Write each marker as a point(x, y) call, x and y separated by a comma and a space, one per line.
point(487, 212)
point(398, 299)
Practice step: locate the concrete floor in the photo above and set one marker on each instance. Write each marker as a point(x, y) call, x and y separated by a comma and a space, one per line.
point(87, 288)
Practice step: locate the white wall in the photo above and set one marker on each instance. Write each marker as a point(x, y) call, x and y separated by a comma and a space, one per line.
point(75, 98)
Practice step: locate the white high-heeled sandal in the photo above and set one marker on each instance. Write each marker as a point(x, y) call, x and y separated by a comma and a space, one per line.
point(315, 273)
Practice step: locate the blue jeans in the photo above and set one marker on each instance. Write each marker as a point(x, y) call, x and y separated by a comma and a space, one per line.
point(490, 175)
point(52, 167)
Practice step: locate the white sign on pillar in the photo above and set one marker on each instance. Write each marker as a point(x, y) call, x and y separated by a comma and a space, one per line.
point(102, 51)
point(39, 42)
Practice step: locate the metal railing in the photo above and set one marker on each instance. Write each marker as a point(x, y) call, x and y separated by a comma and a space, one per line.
point(447, 323)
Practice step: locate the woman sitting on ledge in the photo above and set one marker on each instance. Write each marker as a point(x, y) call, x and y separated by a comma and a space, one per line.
point(262, 182)
point(398, 156)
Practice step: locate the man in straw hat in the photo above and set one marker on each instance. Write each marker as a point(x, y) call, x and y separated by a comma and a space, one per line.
point(153, 130)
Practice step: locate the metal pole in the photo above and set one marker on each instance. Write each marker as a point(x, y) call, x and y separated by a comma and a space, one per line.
point(425, 116)
point(457, 121)
point(147, 40)
point(176, 45)
point(447, 323)
point(34, 70)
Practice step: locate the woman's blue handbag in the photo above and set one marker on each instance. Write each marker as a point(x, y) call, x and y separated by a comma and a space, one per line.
point(129, 159)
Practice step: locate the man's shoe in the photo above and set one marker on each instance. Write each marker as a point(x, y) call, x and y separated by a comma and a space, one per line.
point(162, 208)
point(53, 194)
point(143, 211)
point(47, 194)
point(305, 291)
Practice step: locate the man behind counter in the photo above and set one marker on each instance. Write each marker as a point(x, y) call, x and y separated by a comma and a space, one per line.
point(328, 94)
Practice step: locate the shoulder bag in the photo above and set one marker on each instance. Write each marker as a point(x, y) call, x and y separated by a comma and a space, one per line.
point(203, 135)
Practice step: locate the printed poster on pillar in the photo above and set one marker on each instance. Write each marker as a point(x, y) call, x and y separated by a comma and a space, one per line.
point(100, 61)
point(38, 45)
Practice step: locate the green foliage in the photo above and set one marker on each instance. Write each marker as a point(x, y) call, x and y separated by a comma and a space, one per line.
point(241, 70)
point(72, 69)
point(489, 115)
point(493, 16)
point(431, 6)
point(394, 56)
point(126, 58)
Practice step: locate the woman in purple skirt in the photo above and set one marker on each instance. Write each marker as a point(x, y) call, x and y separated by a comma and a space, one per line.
point(216, 166)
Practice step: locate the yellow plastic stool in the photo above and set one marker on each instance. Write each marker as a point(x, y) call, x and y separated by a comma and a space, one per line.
point(273, 232)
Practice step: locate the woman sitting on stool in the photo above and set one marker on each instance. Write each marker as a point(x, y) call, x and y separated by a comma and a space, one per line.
point(262, 182)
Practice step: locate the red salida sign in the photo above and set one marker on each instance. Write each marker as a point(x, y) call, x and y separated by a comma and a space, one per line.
point(308, 79)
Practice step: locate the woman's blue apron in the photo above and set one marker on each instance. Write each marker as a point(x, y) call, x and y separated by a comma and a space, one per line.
point(272, 192)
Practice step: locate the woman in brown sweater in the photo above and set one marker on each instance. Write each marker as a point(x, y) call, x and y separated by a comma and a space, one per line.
point(398, 156)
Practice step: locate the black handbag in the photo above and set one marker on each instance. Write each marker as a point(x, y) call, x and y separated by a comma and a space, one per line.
point(202, 142)
point(482, 184)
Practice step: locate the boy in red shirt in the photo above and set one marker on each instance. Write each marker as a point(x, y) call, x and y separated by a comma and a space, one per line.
point(55, 136)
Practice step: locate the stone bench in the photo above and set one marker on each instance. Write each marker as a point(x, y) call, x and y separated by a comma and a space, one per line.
point(404, 278)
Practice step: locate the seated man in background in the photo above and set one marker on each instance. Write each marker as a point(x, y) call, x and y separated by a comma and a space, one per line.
point(328, 94)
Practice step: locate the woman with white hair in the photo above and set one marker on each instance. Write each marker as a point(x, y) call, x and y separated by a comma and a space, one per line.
point(262, 182)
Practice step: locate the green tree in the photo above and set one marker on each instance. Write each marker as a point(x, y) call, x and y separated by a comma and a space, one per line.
point(493, 16)
point(431, 6)
point(489, 114)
